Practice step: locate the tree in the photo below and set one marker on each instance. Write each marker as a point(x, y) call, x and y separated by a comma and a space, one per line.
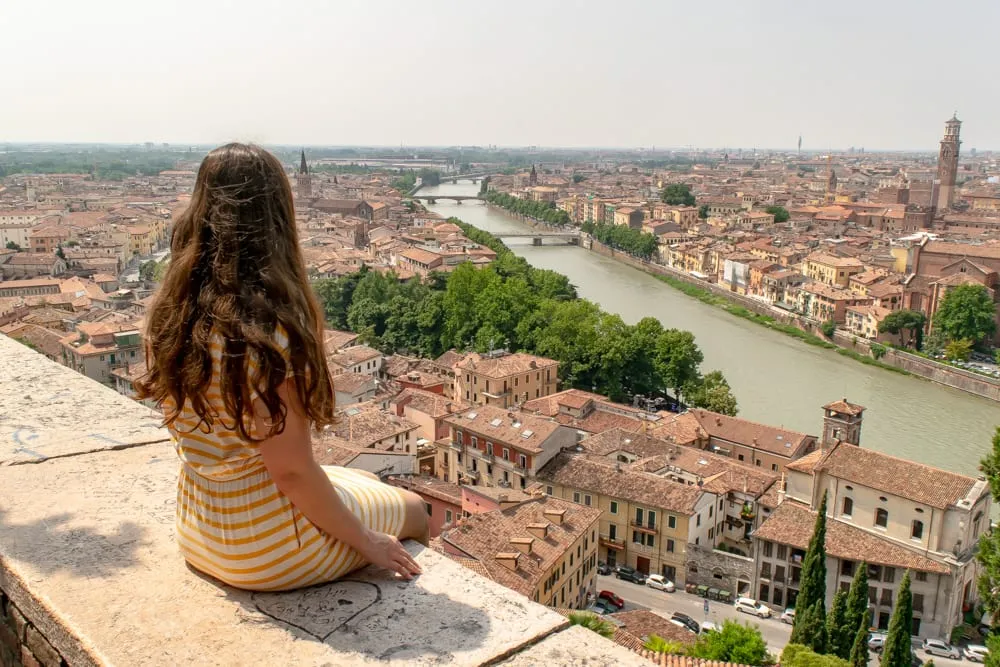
point(839, 635)
point(859, 651)
point(967, 312)
point(828, 328)
point(13, 246)
point(713, 393)
point(592, 622)
point(810, 617)
point(958, 350)
point(147, 271)
point(797, 655)
point(60, 253)
point(780, 213)
point(734, 642)
point(579, 178)
point(703, 211)
point(900, 321)
point(658, 644)
point(856, 614)
point(678, 194)
point(898, 648)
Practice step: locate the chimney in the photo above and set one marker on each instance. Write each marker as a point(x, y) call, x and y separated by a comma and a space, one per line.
point(522, 544)
point(555, 516)
point(508, 559)
point(539, 530)
point(502, 497)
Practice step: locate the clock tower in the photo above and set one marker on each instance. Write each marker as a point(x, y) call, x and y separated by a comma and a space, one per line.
point(948, 163)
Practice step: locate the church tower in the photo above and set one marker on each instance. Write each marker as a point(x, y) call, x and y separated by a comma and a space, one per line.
point(533, 176)
point(303, 180)
point(948, 163)
point(842, 423)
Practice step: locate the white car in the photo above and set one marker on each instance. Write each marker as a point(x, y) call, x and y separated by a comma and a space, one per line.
point(877, 641)
point(788, 616)
point(708, 626)
point(658, 582)
point(975, 653)
point(941, 648)
point(751, 606)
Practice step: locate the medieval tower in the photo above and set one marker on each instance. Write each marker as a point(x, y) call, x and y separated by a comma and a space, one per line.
point(303, 180)
point(948, 163)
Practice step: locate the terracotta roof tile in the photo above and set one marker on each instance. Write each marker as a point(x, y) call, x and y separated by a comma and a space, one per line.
point(775, 440)
point(643, 623)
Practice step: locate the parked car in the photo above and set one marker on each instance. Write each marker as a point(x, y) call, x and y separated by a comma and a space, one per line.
point(942, 648)
point(603, 568)
point(626, 573)
point(876, 641)
point(600, 609)
point(658, 582)
point(611, 598)
point(685, 621)
point(975, 653)
point(788, 616)
point(751, 606)
point(708, 626)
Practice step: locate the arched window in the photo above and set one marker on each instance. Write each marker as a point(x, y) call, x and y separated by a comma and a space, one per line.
point(917, 530)
point(881, 518)
point(848, 507)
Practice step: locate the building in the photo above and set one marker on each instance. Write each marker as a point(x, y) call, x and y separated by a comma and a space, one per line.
point(97, 348)
point(490, 446)
point(504, 379)
point(543, 548)
point(758, 445)
point(443, 500)
point(831, 270)
point(824, 302)
point(355, 359)
point(893, 514)
point(303, 180)
point(947, 171)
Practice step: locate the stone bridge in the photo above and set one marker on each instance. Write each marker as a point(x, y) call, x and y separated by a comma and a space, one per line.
point(538, 238)
point(432, 199)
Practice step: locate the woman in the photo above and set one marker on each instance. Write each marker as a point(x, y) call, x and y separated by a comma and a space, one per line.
point(236, 362)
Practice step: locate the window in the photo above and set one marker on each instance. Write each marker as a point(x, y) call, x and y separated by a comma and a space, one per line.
point(782, 551)
point(918, 602)
point(670, 546)
point(651, 519)
point(888, 574)
point(739, 457)
point(917, 530)
point(710, 511)
point(635, 537)
point(522, 461)
point(881, 518)
point(430, 510)
point(757, 462)
point(576, 496)
point(447, 516)
point(548, 490)
point(638, 516)
point(921, 576)
point(614, 507)
point(711, 533)
point(586, 500)
point(698, 522)
point(612, 532)
point(767, 549)
point(671, 521)
point(506, 454)
point(475, 442)
point(848, 508)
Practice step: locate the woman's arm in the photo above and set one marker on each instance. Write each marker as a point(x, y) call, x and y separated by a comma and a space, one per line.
point(289, 459)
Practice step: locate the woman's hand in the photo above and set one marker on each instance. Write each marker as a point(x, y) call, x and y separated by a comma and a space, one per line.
point(386, 551)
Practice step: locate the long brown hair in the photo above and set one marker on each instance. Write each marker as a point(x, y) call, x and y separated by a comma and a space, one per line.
point(236, 273)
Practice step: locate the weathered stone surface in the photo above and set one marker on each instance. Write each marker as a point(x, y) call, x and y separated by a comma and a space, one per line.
point(48, 410)
point(41, 649)
point(576, 647)
point(89, 557)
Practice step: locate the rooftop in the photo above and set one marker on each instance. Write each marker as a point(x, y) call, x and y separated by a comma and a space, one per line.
point(87, 554)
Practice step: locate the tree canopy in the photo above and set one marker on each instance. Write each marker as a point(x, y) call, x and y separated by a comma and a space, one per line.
point(540, 210)
point(901, 321)
point(734, 642)
point(797, 655)
point(592, 622)
point(780, 213)
point(678, 194)
point(966, 313)
point(620, 237)
point(810, 605)
point(839, 635)
point(898, 648)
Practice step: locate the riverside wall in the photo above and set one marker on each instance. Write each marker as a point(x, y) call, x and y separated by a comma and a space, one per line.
point(957, 378)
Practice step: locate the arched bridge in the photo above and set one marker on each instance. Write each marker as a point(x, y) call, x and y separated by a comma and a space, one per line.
point(538, 238)
point(432, 199)
point(475, 178)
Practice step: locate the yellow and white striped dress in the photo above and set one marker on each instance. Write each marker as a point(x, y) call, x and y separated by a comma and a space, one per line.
point(235, 525)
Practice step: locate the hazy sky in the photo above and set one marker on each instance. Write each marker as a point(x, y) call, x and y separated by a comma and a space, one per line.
point(714, 73)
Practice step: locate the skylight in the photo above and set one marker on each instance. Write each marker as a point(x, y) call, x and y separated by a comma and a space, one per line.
point(527, 433)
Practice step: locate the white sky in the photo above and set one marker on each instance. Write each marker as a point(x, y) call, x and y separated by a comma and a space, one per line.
point(712, 73)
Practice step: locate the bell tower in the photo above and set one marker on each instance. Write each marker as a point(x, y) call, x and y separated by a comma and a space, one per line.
point(303, 180)
point(842, 423)
point(948, 163)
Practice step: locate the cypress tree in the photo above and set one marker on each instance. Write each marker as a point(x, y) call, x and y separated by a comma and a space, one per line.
point(857, 600)
point(897, 643)
point(859, 652)
point(813, 586)
point(839, 635)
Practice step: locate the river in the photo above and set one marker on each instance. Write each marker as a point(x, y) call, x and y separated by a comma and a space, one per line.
point(777, 379)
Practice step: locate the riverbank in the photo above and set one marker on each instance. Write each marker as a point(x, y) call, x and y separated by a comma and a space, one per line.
point(859, 349)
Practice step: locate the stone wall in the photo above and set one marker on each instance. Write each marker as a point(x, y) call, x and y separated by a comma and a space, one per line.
point(21, 643)
point(957, 378)
point(712, 564)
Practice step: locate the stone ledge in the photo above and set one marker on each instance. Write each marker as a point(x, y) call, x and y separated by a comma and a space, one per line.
point(89, 565)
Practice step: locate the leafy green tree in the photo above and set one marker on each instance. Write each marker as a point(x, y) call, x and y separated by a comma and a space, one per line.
point(734, 642)
point(797, 655)
point(579, 178)
point(592, 622)
point(828, 328)
point(898, 648)
point(993, 656)
point(678, 194)
point(780, 213)
point(60, 253)
point(859, 649)
point(856, 614)
point(810, 618)
point(967, 313)
point(713, 393)
point(934, 342)
point(905, 320)
point(147, 271)
point(703, 211)
point(13, 246)
point(839, 635)
point(958, 350)
point(658, 644)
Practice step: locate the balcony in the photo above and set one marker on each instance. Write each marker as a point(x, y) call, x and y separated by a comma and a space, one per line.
point(457, 446)
point(642, 528)
point(483, 454)
point(617, 545)
point(87, 510)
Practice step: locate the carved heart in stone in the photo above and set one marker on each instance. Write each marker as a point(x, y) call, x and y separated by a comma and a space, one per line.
point(319, 610)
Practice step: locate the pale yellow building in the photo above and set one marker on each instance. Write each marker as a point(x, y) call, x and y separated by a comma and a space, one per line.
point(831, 270)
point(504, 379)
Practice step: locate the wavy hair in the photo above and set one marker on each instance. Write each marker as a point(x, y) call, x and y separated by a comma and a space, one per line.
point(236, 276)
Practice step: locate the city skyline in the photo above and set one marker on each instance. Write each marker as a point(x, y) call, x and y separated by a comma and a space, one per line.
point(390, 74)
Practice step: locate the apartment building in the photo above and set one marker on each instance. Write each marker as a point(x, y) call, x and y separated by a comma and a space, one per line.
point(97, 348)
point(543, 548)
point(892, 514)
point(504, 379)
point(490, 446)
point(759, 445)
point(831, 270)
point(356, 359)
